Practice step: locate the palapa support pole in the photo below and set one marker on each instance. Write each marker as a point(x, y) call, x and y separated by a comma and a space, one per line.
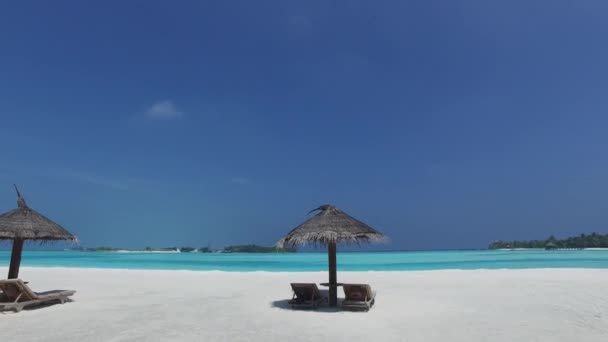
point(333, 283)
point(13, 271)
point(328, 227)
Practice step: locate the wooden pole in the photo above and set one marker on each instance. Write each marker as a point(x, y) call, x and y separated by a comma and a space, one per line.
point(13, 271)
point(333, 279)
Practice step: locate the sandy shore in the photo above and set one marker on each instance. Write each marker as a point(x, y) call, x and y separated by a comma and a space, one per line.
point(480, 305)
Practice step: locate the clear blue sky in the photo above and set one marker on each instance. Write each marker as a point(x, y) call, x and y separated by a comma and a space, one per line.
point(444, 124)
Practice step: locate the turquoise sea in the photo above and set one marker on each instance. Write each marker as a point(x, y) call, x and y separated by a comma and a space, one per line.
point(294, 262)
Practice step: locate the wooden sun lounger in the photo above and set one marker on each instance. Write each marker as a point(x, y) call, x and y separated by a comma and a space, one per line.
point(358, 297)
point(305, 295)
point(18, 295)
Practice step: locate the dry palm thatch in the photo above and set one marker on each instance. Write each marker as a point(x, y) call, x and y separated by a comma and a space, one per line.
point(24, 223)
point(330, 225)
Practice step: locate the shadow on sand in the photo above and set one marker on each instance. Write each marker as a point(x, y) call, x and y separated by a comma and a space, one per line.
point(284, 305)
point(37, 306)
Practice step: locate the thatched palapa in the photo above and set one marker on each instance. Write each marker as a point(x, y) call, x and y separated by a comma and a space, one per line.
point(329, 227)
point(24, 223)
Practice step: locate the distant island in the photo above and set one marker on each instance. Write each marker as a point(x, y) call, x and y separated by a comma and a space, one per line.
point(228, 249)
point(593, 240)
point(256, 249)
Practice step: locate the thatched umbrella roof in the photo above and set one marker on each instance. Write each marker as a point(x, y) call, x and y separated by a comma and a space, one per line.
point(24, 223)
point(550, 245)
point(330, 225)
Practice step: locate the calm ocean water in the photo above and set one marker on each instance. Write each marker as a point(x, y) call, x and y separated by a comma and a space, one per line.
point(364, 261)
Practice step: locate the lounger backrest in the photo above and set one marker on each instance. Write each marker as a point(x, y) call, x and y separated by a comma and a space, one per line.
point(357, 292)
point(305, 290)
point(12, 288)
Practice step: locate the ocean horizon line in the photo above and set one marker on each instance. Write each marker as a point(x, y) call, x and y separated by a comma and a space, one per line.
point(317, 261)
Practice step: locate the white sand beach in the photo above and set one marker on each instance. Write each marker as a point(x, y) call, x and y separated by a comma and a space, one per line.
point(479, 305)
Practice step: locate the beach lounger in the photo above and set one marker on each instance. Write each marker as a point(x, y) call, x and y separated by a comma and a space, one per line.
point(17, 295)
point(305, 295)
point(358, 297)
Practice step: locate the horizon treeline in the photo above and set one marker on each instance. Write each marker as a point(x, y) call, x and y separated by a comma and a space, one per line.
point(228, 249)
point(593, 240)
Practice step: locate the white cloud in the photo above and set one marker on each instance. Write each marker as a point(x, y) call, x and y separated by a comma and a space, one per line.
point(101, 181)
point(90, 178)
point(164, 110)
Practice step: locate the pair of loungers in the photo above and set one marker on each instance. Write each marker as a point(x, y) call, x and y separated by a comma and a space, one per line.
point(16, 295)
point(356, 296)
